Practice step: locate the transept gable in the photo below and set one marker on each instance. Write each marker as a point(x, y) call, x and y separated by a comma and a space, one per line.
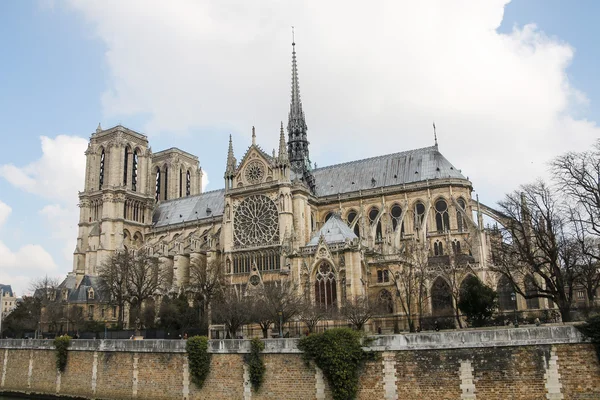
point(256, 167)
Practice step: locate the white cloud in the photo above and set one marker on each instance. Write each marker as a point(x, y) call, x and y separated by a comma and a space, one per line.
point(205, 180)
point(62, 223)
point(372, 78)
point(57, 175)
point(5, 211)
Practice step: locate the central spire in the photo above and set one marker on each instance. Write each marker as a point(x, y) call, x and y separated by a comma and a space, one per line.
point(297, 138)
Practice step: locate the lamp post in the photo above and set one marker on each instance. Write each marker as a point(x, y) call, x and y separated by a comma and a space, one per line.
point(513, 297)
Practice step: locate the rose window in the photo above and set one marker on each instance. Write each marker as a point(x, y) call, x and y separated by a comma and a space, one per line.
point(256, 222)
point(255, 171)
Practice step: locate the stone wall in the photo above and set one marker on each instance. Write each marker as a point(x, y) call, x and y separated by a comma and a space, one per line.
point(524, 363)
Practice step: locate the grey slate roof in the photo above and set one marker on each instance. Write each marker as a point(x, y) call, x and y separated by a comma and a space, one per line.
point(388, 170)
point(80, 294)
point(7, 289)
point(189, 208)
point(333, 231)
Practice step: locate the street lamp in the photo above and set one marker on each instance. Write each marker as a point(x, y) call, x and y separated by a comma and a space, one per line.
point(513, 297)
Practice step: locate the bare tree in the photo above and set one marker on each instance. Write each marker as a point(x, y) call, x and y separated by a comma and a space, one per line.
point(113, 274)
point(454, 274)
point(358, 312)
point(410, 279)
point(276, 303)
point(233, 309)
point(206, 280)
point(144, 280)
point(312, 314)
point(538, 243)
point(45, 289)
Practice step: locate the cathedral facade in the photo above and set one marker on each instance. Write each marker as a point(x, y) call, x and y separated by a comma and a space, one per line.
point(338, 232)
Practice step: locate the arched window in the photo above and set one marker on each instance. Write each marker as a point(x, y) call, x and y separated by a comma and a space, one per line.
point(188, 183)
point(101, 173)
point(166, 187)
point(456, 247)
point(531, 290)
point(386, 302)
point(180, 182)
point(157, 188)
point(442, 220)
point(351, 217)
point(438, 248)
point(373, 213)
point(441, 297)
point(134, 171)
point(383, 275)
point(125, 165)
point(325, 286)
point(329, 215)
point(460, 219)
point(505, 290)
point(396, 212)
point(419, 215)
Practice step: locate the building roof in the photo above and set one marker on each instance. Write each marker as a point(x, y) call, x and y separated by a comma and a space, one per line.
point(387, 170)
point(333, 231)
point(191, 208)
point(7, 289)
point(79, 294)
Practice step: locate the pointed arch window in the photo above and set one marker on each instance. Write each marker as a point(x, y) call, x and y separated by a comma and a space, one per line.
point(396, 212)
point(157, 186)
point(442, 219)
point(166, 186)
point(441, 297)
point(438, 248)
point(125, 165)
point(386, 302)
point(419, 215)
point(460, 219)
point(180, 182)
point(373, 214)
point(352, 215)
point(134, 171)
point(325, 286)
point(456, 247)
point(188, 183)
point(101, 173)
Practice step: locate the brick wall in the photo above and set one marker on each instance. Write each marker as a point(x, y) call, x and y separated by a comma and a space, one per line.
point(425, 366)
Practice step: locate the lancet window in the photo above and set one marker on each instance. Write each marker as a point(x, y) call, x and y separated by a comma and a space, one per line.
point(352, 215)
point(125, 166)
point(157, 187)
point(188, 183)
point(396, 212)
point(373, 214)
point(442, 219)
point(325, 286)
point(419, 215)
point(101, 173)
point(166, 185)
point(438, 248)
point(134, 171)
point(460, 219)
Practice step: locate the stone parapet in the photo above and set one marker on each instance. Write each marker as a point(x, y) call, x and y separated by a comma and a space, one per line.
point(528, 336)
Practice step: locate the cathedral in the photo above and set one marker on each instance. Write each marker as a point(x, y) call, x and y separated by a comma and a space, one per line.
point(335, 231)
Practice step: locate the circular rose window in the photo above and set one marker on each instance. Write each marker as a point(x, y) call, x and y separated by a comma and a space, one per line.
point(256, 222)
point(255, 172)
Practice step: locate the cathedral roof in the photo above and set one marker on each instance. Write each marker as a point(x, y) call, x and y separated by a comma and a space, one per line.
point(333, 231)
point(205, 205)
point(388, 170)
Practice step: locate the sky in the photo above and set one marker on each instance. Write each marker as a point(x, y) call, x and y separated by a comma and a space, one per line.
point(509, 85)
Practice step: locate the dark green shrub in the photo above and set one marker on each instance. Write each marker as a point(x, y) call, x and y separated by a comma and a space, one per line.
point(591, 329)
point(256, 366)
point(61, 344)
point(198, 358)
point(477, 302)
point(339, 353)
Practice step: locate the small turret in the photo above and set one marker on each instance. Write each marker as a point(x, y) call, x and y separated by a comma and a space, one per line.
point(231, 165)
point(283, 154)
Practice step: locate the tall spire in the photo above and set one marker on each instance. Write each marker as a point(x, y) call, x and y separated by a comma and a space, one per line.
point(230, 160)
point(283, 156)
point(297, 138)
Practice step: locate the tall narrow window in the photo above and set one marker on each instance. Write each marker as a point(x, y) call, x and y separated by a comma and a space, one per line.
point(442, 220)
point(351, 217)
point(125, 165)
point(166, 183)
point(396, 212)
point(134, 171)
point(157, 188)
point(460, 219)
point(101, 174)
point(188, 183)
point(325, 286)
point(180, 182)
point(419, 215)
point(373, 214)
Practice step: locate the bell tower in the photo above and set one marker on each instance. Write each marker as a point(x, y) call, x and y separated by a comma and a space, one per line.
point(118, 197)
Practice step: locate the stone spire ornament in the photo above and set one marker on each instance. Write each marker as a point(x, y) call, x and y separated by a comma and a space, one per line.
point(99, 128)
point(230, 169)
point(283, 155)
point(297, 136)
point(253, 137)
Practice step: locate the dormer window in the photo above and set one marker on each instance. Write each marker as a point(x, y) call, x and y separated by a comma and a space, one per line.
point(91, 294)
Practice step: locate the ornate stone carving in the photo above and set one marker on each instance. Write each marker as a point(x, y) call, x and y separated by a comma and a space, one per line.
point(254, 172)
point(256, 222)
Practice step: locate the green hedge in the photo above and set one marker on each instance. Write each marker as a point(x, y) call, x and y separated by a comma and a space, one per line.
point(198, 358)
point(338, 352)
point(61, 344)
point(591, 329)
point(256, 366)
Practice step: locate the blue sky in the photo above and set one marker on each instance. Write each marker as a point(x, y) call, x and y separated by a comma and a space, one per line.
point(508, 85)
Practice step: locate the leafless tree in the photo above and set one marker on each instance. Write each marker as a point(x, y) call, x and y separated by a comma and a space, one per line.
point(276, 303)
point(358, 312)
point(206, 280)
point(312, 314)
point(233, 309)
point(410, 279)
point(113, 274)
point(538, 242)
point(454, 273)
point(45, 289)
point(144, 280)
